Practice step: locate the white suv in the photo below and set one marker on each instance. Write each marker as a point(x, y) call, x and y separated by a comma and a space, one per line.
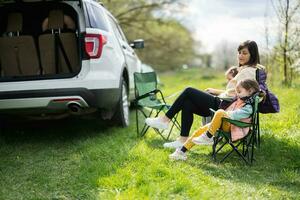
point(68, 56)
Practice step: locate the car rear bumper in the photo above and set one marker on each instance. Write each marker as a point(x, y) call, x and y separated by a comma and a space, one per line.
point(59, 99)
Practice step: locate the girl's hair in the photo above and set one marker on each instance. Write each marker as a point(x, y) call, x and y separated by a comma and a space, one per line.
point(232, 70)
point(249, 84)
point(253, 50)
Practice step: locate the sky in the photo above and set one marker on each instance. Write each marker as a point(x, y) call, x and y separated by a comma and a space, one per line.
point(234, 21)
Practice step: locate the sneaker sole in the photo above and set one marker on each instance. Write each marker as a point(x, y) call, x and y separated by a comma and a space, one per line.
point(204, 144)
point(171, 158)
point(166, 147)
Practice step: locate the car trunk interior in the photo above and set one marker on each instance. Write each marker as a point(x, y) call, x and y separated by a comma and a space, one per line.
point(38, 41)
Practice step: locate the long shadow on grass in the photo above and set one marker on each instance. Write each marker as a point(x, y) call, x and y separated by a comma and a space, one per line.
point(155, 142)
point(277, 163)
point(54, 154)
point(22, 131)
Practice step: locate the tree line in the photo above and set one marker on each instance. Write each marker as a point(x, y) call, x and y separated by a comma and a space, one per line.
point(168, 44)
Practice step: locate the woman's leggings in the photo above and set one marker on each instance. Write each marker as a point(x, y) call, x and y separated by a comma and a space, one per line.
point(212, 127)
point(192, 101)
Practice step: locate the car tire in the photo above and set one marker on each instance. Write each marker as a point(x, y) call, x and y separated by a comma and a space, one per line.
point(121, 117)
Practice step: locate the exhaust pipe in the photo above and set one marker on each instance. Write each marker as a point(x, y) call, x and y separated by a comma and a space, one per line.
point(74, 108)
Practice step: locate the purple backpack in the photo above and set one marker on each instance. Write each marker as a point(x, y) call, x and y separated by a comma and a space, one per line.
point(271, 103)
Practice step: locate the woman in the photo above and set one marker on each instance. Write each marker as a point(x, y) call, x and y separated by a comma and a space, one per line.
point(193, 101)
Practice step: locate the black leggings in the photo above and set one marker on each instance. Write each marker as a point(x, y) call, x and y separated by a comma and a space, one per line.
point(192, 101)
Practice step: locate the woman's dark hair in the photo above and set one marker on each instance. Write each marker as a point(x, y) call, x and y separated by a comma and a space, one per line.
point(253, 50)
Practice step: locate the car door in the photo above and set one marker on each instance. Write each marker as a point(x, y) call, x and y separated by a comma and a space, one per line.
point(132, 61)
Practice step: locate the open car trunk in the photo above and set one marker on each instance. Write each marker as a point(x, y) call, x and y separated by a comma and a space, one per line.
point(38, 40)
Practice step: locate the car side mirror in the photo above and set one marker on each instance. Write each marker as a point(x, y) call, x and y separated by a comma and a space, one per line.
point(137, 44)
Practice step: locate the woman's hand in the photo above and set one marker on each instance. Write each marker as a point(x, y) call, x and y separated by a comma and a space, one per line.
point(211, 91)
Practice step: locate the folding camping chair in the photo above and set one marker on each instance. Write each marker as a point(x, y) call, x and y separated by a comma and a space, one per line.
point(149, 102)
point(248, 142)
point(261, 76)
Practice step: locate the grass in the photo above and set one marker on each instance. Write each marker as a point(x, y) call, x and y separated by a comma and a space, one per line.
point(87, 159)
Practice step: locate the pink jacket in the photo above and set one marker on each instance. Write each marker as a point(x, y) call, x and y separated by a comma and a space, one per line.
point(237, 132)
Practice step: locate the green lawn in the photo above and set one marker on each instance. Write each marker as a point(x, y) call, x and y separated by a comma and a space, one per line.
point(87, 159)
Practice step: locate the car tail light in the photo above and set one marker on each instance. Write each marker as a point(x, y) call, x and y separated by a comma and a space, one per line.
point(94, 44)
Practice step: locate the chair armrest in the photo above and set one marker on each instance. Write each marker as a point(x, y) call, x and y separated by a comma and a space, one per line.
point(212, 110)
point(226, 99)
point(173, 95)
point(148, 94)
point(237, 122)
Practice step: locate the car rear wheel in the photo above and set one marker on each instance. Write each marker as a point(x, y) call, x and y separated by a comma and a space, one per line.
point(122, 112)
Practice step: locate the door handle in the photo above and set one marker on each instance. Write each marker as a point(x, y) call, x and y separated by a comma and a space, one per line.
point(124, 47)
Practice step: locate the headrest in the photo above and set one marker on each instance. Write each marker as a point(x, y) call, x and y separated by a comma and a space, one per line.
point(14, 22)
point(56, 19)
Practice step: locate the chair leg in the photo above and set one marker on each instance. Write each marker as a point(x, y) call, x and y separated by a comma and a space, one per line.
point(237, 151)
point(252, 150)
point(174, 123)
point(160, 133)
point(233, 149)
point(258, 131)
point(214, 146)
point(217, 140)
point(137, 122)
point(246, 151)
point(170, 131)
point(244, 148)
point(143, 131)
point(221, 147)
point(156, 130)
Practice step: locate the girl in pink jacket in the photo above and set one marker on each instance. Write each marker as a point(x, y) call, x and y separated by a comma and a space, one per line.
point(240, 109)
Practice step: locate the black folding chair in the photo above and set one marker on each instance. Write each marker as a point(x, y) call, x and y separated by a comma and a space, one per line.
point(149, 102)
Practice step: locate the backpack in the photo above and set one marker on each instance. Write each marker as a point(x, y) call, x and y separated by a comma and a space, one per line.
point(271, 103)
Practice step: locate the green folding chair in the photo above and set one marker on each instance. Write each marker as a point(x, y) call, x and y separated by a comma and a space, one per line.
point(222, 138)
point(150, 102)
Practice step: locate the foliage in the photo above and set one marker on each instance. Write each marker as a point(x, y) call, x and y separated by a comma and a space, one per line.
point(287, 51)
point(88, 159)
point(164, 37)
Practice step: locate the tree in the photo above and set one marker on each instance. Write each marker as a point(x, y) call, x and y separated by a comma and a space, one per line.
point(168, 44)
point(287, 12)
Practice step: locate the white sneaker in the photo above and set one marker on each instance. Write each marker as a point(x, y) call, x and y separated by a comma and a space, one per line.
point(157, 123)
point(203, 140)
point(178, 155)
point(173, 145)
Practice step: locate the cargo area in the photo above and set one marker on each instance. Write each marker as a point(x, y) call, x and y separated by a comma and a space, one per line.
point(38, 40)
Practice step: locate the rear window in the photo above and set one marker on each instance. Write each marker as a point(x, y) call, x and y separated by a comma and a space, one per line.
point(95, 17)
